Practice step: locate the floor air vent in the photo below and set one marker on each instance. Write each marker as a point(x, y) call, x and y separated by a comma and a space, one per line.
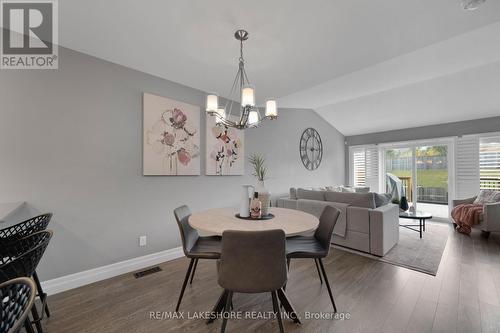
point(147, 272)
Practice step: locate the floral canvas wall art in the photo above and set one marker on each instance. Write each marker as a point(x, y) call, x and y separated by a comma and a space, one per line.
point(171, 137)
point(225, 150)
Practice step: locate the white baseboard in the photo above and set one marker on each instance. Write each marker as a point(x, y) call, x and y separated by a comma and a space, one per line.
point(79, 279)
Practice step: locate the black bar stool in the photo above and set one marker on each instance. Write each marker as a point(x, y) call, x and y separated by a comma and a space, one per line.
point(26, 228)
point(17, 297)
point(20, 259)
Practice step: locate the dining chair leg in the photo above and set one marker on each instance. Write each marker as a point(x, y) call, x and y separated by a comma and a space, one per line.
point(194, 270)
point(218, 307)
point(327, 285)
point(276, 310)
point(36, 319)
point(28, 326)
point(226, 311)
point(184, 284)
point(285, 302)
point(288, 260)
point(319, 273)
point(41, 294)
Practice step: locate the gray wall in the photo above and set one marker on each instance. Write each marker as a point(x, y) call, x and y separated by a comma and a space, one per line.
point(476, 126)
point(71, 143)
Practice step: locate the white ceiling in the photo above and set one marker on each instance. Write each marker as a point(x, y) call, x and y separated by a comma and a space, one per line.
point(353, 61)
point(457, 79)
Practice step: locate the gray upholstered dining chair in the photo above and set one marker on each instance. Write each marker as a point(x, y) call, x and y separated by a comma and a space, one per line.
point(194, 246)
point(252, 262)
point(316, 247)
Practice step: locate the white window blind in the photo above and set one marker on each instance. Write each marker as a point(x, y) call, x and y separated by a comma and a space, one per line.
point(467, 167)
point(358, 167)
point(365, 167)
point(489, 163)
point(372, 169)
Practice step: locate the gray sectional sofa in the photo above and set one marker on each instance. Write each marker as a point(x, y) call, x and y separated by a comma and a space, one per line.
point(367, 221)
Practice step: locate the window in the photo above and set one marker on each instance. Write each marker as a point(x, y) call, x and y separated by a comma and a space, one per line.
point(358, 167)
point(467, 166)
point(489, 163)
point(364, 167)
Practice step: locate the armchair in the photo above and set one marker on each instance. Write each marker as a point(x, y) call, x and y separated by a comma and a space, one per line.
point(490, 220)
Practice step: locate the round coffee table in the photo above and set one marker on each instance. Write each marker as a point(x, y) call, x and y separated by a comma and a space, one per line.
point(420, 216)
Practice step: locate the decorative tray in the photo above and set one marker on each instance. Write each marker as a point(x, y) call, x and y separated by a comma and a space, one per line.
point(266, 217)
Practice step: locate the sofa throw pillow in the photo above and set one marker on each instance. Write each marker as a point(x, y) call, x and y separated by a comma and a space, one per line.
point(310, 194)
point(494, 197)
point(382, 199)
point(365, 200)
point(319, 188)
point(346, 189)
point(362, 189)
point(334, 188)
point(483, 197)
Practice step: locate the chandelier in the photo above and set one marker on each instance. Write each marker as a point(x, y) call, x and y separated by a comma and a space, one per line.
point(249, 115)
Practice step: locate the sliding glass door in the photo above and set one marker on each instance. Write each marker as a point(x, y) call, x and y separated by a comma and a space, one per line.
point(399, 173)
point(432, 179)
point(421, 173)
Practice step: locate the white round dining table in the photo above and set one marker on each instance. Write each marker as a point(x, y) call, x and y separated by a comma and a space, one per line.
point(216, 221)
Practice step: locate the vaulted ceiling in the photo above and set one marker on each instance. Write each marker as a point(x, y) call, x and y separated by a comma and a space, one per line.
point(364, 65)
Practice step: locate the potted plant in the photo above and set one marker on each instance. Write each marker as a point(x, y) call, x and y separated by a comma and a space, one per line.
point(258, 163)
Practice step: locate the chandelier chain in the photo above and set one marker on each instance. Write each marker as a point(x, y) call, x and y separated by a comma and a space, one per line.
point(241, 52)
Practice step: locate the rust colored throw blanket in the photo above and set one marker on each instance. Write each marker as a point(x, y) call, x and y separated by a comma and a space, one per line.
point(466, 215)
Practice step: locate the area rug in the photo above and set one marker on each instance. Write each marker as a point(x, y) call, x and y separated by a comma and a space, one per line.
point(423, 255)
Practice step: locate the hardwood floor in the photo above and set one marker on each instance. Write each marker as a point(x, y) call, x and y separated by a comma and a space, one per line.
point(379, 297)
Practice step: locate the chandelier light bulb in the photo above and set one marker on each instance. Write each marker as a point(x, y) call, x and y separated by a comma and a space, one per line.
point(212, 103)
point(247, 96)
point(271, 108)
point(253, 117)
point(221, 117)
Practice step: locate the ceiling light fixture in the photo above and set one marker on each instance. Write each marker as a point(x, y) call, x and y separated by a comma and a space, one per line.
point(472, 4)
point(249, 116)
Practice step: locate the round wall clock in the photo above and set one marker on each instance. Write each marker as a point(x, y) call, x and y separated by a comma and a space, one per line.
point(311, 149)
